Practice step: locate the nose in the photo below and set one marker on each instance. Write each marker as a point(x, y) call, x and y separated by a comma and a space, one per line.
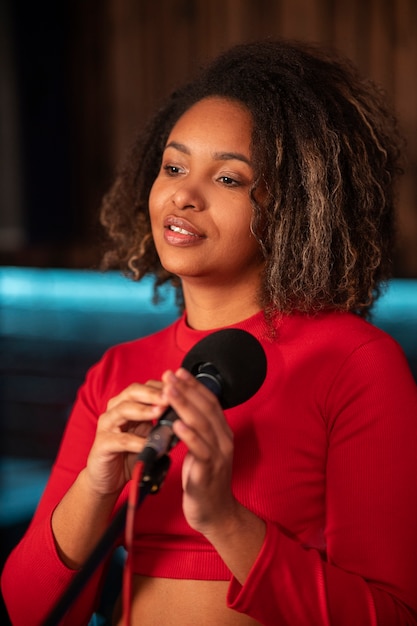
point(188, 196)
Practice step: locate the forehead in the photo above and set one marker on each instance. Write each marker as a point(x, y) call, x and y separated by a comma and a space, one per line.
point(215, 119)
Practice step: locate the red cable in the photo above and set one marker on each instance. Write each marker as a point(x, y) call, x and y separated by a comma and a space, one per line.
point(130, 519)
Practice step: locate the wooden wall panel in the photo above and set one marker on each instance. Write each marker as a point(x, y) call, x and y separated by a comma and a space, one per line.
point(148, 47)
point(404, 52)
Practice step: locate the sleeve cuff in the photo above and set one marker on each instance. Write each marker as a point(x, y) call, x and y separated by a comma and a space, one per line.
point(240, 597)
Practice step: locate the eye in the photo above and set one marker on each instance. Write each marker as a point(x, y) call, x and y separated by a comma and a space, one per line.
point(229, 181)
point(172, 170)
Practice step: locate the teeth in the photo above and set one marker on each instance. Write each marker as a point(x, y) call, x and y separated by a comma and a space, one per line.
point(177, 229)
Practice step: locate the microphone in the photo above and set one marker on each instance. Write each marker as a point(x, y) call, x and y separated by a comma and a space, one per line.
point(239, 371)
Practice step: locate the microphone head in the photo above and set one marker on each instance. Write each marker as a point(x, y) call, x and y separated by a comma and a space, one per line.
point(239, 360)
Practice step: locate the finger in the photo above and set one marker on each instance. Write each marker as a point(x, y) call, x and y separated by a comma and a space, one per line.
point(109, 444)
point(156, 384)
point(201, 448)
point(145, 393)
point(127, 413)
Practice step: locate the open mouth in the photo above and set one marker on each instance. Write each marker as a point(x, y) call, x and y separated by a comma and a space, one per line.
point(181, 227)
point(181, 231)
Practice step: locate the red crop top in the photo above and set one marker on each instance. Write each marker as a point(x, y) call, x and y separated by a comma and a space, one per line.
point(325, 452)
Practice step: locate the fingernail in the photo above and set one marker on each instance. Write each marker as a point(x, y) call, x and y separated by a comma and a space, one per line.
point(172, 378)
point(183, 373)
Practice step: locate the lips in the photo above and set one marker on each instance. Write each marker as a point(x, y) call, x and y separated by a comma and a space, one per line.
point(179, 225)
point(178, 231)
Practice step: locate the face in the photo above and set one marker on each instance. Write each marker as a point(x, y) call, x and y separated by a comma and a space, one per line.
point(199, 203)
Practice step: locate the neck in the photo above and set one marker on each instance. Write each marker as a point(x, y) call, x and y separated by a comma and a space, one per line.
point(214, 308)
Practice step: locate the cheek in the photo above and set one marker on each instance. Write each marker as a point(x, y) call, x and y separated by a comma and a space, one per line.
point(237, 223)
point(153, 194)
point(154, 202)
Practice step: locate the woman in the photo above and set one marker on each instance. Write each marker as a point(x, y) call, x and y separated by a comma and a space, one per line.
point(264, 191)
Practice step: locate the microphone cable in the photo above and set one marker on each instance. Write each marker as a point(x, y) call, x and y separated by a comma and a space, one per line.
point(132, 503)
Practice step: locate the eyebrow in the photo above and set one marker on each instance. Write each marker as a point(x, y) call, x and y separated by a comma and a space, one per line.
point(218, 156)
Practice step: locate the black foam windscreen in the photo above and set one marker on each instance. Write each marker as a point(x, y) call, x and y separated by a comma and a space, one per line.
point(239, 360)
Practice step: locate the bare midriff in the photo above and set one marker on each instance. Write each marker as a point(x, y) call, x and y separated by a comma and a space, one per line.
point(172, 602)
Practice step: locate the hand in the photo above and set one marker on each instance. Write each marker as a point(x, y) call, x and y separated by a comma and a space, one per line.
point(120, 436)
point(208, 500)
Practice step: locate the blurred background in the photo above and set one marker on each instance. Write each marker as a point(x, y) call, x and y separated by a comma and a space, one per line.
point(78, 77)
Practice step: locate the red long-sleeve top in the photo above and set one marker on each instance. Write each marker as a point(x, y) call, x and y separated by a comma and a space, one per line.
point(325, 453)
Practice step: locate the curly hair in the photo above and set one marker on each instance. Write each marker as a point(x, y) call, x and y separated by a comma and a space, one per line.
point(326, 147)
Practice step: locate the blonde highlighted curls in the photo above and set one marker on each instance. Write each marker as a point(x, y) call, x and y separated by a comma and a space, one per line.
point(326, 149)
